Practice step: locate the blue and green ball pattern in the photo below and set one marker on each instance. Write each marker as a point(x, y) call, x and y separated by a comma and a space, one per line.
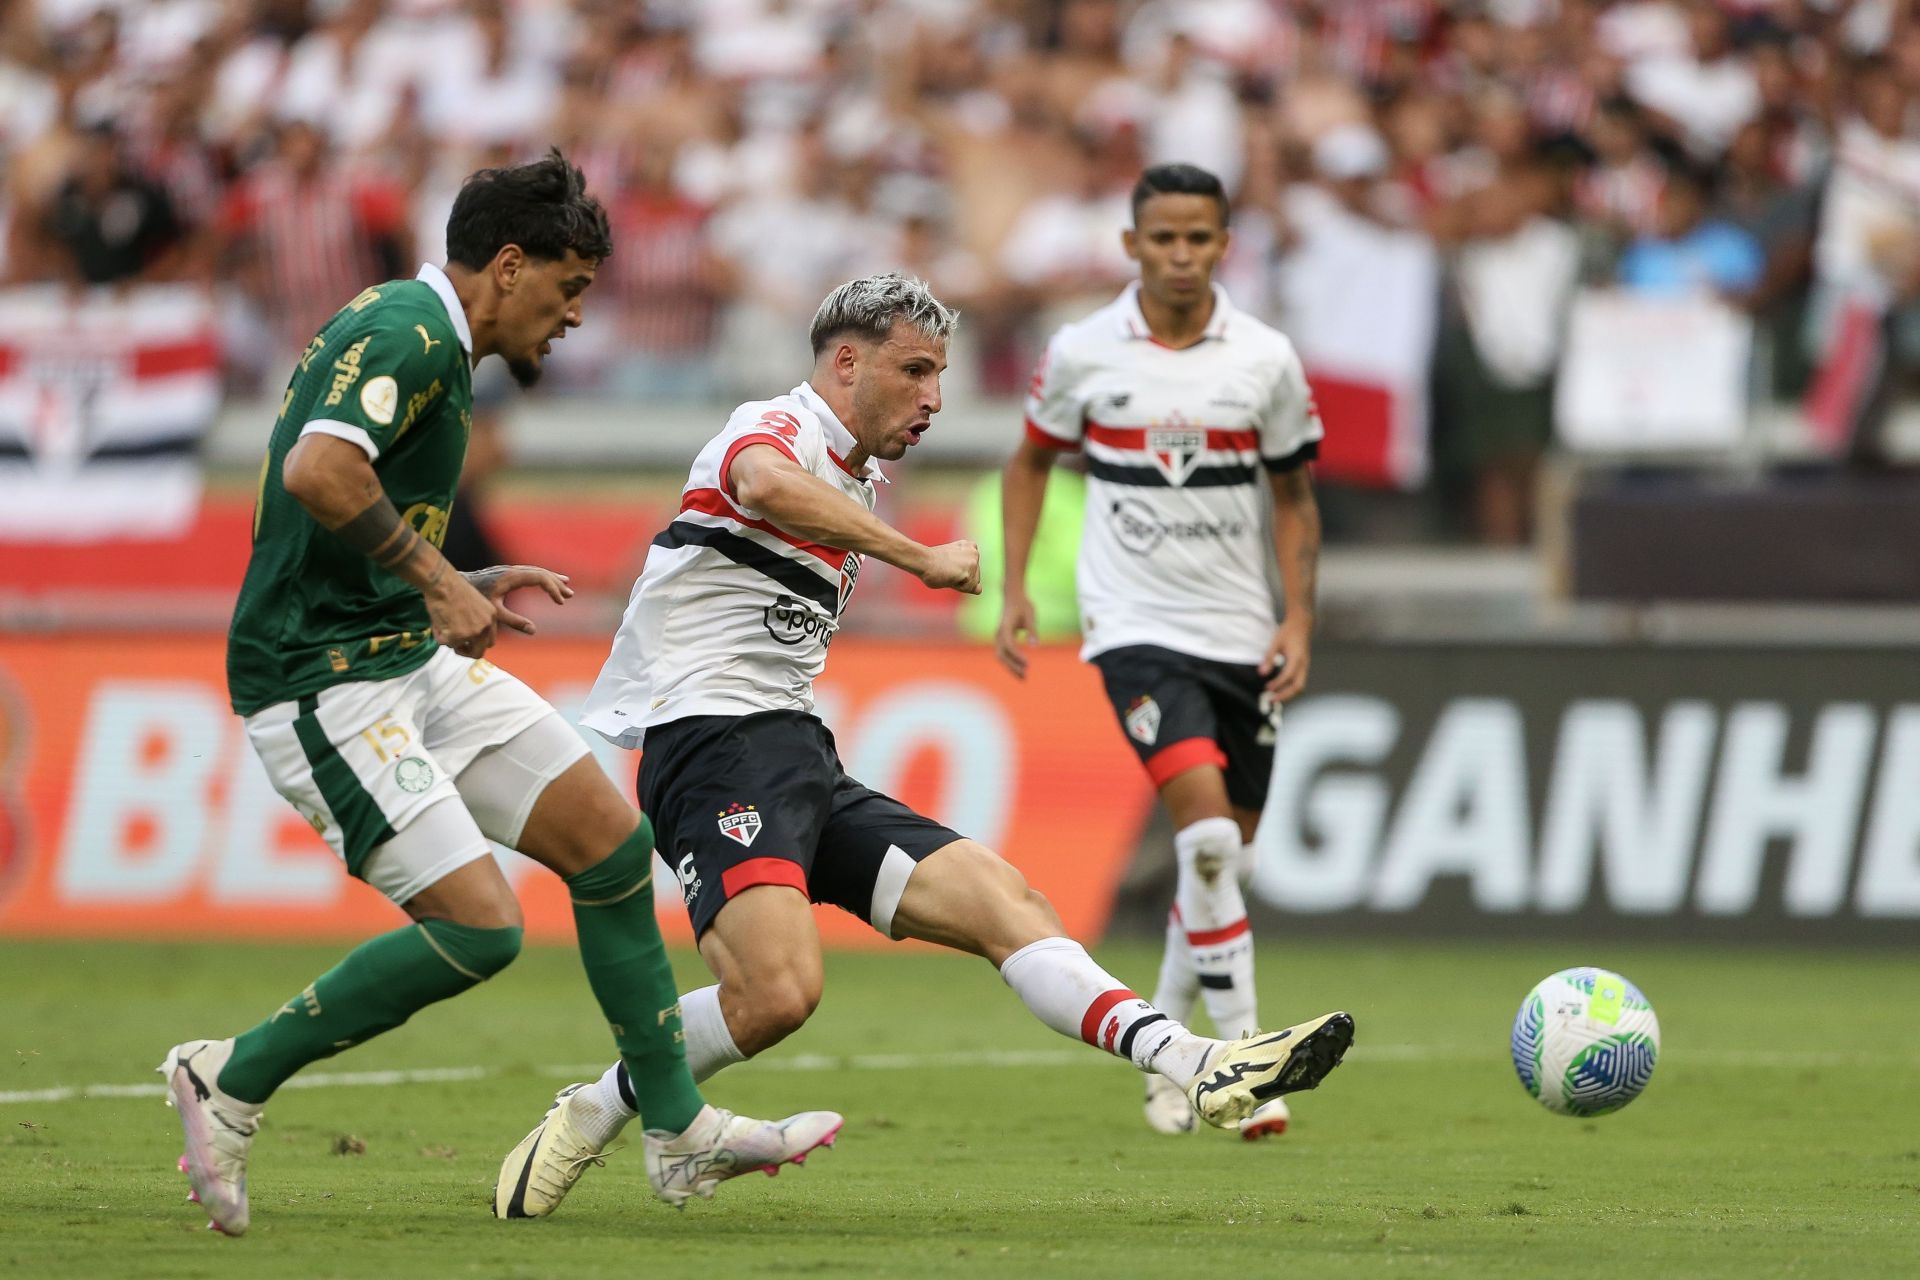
point(1585, 1042)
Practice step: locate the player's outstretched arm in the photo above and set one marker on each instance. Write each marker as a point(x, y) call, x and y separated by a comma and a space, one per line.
point(1296, 540)
point(767, 481)
point(336, 484)
point(1023, 493)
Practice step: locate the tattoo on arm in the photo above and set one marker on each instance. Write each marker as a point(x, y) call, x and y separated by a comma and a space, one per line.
point(383, 537)
point(483, 579)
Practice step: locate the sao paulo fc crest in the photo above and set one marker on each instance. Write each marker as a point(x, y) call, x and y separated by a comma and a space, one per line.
point(740, 823)
point(1143, 720)
point(1175, 449)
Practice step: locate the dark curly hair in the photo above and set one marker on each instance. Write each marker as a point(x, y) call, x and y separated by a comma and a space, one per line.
point(543, 207)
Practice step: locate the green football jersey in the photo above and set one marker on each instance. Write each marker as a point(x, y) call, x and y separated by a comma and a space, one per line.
point(388, 372)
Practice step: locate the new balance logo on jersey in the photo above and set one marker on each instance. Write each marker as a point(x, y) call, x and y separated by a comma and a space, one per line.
point(1143, 721)
point(791, 621)
point(1176, 452)
point(1118, 399)
point(740, 824)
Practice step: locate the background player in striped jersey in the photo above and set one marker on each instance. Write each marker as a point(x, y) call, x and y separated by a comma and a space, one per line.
point(355, 656)
point(712, 671)
point(1182, 404)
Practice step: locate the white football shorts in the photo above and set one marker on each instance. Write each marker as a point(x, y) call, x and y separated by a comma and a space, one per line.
point(407, 779)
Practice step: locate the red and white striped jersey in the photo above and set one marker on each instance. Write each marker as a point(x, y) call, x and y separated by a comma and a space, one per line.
point(1177, 548)
point(733, 615)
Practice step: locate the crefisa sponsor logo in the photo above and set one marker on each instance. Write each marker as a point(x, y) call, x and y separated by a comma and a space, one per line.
point(790, 621)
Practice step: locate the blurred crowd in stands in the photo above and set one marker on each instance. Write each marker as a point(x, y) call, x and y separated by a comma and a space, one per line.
point(1434, 175)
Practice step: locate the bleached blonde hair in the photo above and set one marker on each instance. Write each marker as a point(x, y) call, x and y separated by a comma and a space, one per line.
point(871, 305)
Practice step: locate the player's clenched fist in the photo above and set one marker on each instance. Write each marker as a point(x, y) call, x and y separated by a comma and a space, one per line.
point(954, 565)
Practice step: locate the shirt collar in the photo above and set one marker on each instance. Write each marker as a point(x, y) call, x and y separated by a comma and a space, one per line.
point(1133, 322)
point(840, 441)
point(436, 279)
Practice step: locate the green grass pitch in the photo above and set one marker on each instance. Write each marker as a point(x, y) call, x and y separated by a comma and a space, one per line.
point(1780, 1135)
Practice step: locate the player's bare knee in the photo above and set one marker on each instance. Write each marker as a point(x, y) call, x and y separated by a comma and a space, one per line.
point(1018, 913)
point(772, 1010)
point(575, 826)
point(474, 896)
point(491, 912)
point(1040, 917)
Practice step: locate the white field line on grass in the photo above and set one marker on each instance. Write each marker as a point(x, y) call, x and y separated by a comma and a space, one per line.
point(1783, 1059)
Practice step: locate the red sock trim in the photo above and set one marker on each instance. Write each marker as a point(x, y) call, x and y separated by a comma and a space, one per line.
point(1189, 753)
point(1213, 937)
point(745, 875)
point(1098, 1010)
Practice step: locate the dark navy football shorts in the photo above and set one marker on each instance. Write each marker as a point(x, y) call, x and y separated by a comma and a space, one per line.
point(739, 801)
point(1179, 711)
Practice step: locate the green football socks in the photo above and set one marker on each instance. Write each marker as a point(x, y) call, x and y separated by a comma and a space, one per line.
point(378, 986)
point(627, 967)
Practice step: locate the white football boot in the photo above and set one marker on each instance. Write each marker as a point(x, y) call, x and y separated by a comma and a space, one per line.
point(1242, 1074)
point(1167, 1108)
point(219, 1131)
point(719, 1145)
point(536, 1175)
point(1269, 1120)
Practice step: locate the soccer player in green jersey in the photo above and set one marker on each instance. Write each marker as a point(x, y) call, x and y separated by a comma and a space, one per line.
point(356, 657)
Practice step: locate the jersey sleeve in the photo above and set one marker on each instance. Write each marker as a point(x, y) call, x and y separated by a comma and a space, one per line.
point(1290, 432)
point(1056, 418)
point(794, 434)
point(375, 383)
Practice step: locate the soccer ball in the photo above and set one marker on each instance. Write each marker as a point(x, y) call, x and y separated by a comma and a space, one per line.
point(1584, 1042)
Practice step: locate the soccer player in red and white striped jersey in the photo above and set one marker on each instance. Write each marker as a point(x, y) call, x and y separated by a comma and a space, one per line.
point(1190, 413)
point(712, 672)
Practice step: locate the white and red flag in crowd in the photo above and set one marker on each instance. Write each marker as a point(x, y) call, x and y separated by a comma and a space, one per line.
point(1357, 297)
point(104, 397)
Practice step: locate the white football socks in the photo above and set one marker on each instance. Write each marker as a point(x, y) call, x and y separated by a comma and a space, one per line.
point(710, 1044)
point(602, 1109)
point(1059, 982)
point(1213, 917)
